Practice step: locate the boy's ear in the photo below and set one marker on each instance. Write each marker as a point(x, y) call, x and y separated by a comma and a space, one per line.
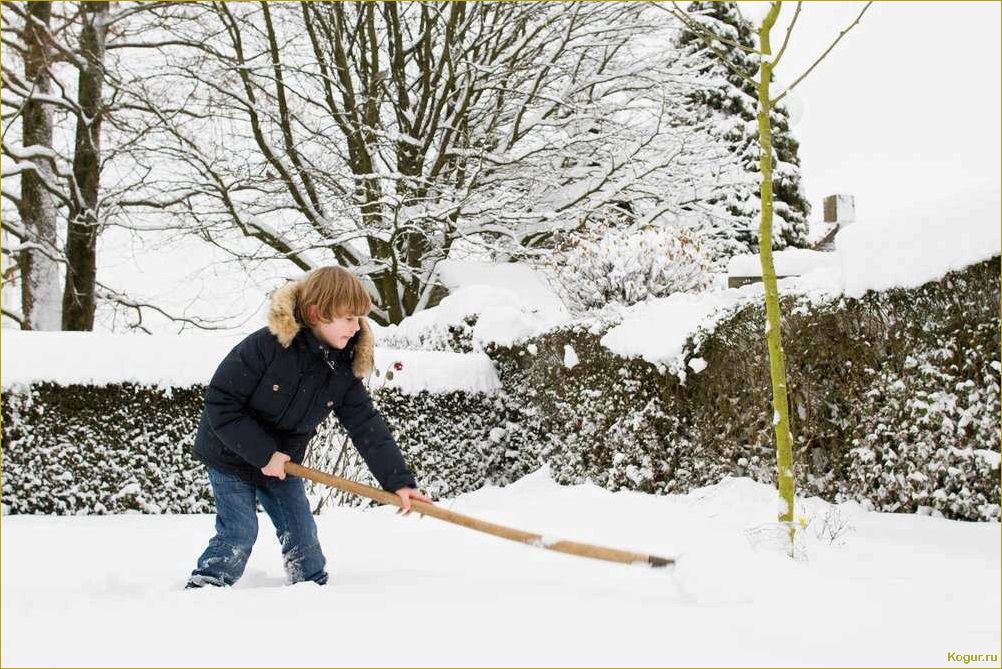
point(311, 312)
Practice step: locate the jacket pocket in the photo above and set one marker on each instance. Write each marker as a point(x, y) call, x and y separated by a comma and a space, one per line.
point(273, 396)
point(317, 409)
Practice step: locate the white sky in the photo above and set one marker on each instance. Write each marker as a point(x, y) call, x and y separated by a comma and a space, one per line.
point(904, 111)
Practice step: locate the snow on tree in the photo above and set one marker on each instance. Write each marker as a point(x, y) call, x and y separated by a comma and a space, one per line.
point(75, 155)
point(505, 127)
point(386, 138)
point(730, 100)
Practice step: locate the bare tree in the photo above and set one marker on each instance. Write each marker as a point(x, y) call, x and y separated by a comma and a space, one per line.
point(39, 269)
point(380, 135)
point(81, 237)
point(64, 182)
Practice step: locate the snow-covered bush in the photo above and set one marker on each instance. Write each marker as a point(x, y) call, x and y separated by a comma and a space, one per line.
point(454, 336)
point(515, 303)
point(894, 397)
point(455, 442)
point(628, 265)
point(102, 449)
point(612, 421)
point(894, 403)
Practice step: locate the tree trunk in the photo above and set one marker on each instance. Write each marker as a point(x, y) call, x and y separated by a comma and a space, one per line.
point(39, 271)
point(777, 359)
point(81, 238)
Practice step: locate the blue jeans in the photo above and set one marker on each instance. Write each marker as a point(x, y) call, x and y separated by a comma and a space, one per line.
point(285, 502)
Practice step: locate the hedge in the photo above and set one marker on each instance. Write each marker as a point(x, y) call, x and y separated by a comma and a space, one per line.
point(894, 403)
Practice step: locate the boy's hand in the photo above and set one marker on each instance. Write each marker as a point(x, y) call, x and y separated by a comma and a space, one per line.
point(276, 466)
point(406, 495)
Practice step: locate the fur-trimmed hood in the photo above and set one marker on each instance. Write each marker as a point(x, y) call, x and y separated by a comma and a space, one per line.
point(283, 324)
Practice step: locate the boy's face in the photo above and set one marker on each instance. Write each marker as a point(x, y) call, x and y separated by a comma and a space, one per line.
point(337, 332)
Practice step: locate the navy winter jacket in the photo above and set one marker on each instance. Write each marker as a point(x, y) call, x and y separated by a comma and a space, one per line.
point(277, 385)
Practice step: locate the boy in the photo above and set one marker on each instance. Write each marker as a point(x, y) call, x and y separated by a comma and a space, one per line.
point(264, 404)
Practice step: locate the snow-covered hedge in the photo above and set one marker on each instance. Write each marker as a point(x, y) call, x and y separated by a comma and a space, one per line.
point(456, 442)
point(594, 415)
point(84, 449)
point(894, 399)
point(101, 449)
point(894, 403)
point(894, 396)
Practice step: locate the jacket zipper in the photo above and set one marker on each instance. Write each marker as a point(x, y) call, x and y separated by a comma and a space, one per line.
point(330, 363)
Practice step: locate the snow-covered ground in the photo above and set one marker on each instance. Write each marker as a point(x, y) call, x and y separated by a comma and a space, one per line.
point(894, 589)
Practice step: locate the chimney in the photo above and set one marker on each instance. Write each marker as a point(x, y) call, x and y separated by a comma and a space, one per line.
point(840, 208)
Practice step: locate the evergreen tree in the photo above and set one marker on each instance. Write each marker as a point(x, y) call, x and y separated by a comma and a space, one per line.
point(732, 102)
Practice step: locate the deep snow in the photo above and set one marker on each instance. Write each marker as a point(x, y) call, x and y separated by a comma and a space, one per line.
point(899, 590)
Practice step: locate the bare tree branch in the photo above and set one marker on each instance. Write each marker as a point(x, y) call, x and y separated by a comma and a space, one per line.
point(821, 57)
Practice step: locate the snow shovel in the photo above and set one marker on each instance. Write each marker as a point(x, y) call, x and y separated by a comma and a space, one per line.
point(572, 547)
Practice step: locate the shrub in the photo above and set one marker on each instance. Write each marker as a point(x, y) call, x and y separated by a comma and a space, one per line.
point(627, 265)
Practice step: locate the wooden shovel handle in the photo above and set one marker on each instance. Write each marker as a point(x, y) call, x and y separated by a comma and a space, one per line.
point(384, 497)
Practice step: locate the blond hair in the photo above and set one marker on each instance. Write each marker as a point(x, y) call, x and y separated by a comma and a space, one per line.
point(335, 291)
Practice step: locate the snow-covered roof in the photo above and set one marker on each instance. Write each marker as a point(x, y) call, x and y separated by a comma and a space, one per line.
point(818, 230)
point(921, 244)
point(789, 262)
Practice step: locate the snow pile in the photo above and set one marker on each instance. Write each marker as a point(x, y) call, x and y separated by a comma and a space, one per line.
point(518, 278)
point(436, 372)
point(656, 330)
point(166, 361)
point(509, 301)
point(875, 589)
